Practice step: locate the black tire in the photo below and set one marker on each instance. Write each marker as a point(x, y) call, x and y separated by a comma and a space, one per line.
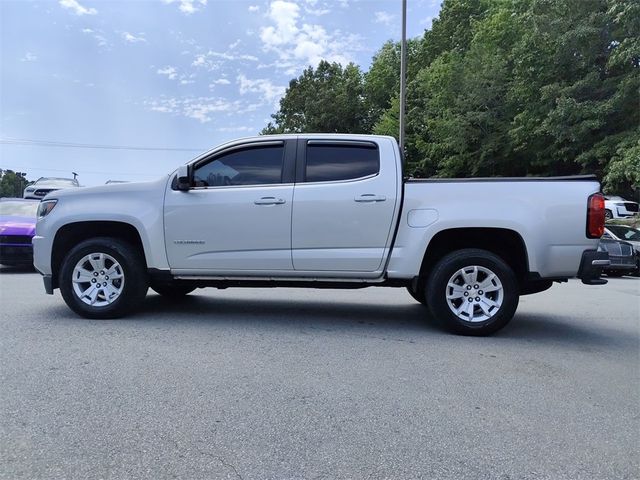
point(133, 288)
point(418, 294)
point(170, 290)
point(608, 215)
point(436, 292)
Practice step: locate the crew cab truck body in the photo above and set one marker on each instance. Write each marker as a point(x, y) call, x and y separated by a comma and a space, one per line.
point(323, 211)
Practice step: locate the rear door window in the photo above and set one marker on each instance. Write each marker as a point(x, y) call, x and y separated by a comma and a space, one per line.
point(330, 162)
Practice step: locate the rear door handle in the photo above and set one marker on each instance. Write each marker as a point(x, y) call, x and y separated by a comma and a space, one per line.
point(269, 201)
point(370, 197)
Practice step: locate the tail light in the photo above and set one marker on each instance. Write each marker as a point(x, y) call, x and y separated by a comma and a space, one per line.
point(595, 216)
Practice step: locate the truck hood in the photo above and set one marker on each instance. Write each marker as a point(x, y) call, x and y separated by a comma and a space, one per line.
point(111, 189)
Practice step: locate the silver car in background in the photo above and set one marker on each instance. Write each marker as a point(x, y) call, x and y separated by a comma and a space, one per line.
point(627, 234)
point(621, 255)
point(44, 185)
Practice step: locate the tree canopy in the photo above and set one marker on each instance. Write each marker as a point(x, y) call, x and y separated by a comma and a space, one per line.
point(12, 184)
point(496, 88)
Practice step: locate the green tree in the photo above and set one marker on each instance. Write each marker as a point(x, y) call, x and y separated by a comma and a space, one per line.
point(497, 87)
point(382, 81)
point(12, 184)
point(329, 98)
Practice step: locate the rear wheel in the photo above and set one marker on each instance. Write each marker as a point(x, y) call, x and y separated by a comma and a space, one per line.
point(608, 215)
point(472, 292)
point(103, 278)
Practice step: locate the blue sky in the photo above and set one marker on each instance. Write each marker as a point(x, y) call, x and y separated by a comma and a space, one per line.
point(186, 74)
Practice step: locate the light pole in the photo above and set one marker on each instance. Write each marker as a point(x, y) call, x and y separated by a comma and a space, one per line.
point(403, 73)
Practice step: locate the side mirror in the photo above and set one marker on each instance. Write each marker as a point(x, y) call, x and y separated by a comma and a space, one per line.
point(183, 179)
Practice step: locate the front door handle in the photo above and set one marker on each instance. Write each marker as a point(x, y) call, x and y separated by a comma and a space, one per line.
point(370, 197)
point(269, 201)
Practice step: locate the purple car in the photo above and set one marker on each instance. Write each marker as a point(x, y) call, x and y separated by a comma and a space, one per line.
point(17, 228)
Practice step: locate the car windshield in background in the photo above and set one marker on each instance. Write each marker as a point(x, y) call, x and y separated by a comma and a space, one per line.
point(625, 233)
point(19, 209)
point(58, 182)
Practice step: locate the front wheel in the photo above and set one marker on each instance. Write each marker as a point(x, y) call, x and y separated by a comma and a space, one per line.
point(608, 215)
point(472, 292)
point(103, 278)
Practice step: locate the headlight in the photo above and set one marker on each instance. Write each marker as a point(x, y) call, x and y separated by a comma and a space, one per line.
point(45, 208)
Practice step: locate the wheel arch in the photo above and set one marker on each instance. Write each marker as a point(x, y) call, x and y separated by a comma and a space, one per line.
point(505, 243)
point(72, 234)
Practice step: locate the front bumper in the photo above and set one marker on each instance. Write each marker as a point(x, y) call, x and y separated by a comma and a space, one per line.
point(591, 267)
point(16, 254)
point(622, 264)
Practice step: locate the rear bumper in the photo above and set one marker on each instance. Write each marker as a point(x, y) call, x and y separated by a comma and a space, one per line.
point(591, 266)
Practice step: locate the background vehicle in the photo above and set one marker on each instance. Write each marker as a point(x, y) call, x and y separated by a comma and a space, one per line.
point(626, 234)
point(44, 185)
point(618, 207)
point(17, 228)
point(326, 211)
point(622, 257)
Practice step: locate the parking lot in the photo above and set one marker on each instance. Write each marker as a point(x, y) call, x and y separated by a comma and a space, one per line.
point(286, 383)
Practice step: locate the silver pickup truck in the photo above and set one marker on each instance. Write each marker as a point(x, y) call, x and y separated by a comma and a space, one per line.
point(321, 211)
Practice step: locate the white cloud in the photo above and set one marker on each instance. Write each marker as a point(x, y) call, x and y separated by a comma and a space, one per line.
point(309, 8)
point(102, 41)
point(298, 46)
point(285, 16)
point(197, 108)
point(267, 90)
point(219, 81)
point(384, 18)
point(317, 11)
point(131, 38)
point(98, 36)
point(172, 74)
point(29, 57)
point(254, 8)
point(236, 129)
point(214, 60)
point(76, 8)
point(169, 72)
point(188, 6)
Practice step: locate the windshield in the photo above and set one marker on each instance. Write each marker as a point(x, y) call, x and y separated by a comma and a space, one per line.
point(625, 233)
point(58, 182)
point(19, 209)
point(61, 182)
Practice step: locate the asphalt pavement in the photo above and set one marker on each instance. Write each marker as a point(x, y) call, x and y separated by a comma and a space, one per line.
point(318, 384)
